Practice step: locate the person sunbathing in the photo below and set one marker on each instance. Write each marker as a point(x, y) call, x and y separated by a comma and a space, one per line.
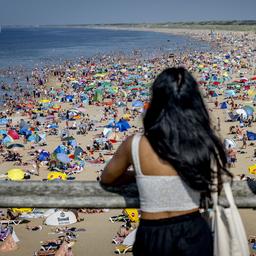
point(34, 228)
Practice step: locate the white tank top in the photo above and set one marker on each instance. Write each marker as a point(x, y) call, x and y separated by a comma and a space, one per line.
point(162, 193)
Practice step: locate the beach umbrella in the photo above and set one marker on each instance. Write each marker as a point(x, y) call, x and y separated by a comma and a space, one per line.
point(56, 176)
point(249, 110)
point(43, 101)
point(3, 121)
point(60, 149)
point(53, 126)
point(132, 214)
point(137, 104)
point(15, 145)
point(3, 132)
point(16, 174)
point(62, 157)
point(252, 169)
point(56, 107)
point(68, 139)
point(253, 78)
point(241, 112)
point(230, 93)
point(22, 210)
point(7, 139)
point(13, 134)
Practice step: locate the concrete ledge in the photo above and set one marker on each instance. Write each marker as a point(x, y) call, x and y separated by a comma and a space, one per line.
point(85, 194)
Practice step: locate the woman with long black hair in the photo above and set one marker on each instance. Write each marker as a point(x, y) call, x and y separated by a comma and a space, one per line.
point(175, 161)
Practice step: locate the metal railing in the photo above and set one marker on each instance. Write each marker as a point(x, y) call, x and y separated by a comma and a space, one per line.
point(90, 194)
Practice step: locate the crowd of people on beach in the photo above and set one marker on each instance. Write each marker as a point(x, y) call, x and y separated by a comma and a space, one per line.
point(69, 117)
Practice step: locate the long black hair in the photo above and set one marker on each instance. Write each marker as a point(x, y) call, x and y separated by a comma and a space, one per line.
point(177, 125)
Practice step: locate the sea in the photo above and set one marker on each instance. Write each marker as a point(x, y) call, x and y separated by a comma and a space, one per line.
point(24, 48)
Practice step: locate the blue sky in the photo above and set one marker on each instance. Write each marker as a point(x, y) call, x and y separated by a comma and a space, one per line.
point(36, 12)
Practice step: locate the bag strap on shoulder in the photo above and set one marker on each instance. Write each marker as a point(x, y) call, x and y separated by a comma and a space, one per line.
point(135, 153)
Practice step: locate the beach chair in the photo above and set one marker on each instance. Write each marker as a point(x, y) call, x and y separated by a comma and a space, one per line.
point(11, 222)
point(123, 249)
point(4, 233)
point(45, 253)
point(119, 218)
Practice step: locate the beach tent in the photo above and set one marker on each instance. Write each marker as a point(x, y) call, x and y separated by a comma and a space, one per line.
point(122, 125)
point(107, 132)
point(62, 157)
point(32, 138)
point(223, 105)
point(25, 131)
point(43, 156)
point(69, 98)
point(61, 218)
point(251, 135)
point(60, 149)
point(13, 134)
point(78, 151)
point(214, 94)
point(98, 95)
point(228, 143)
point(49, 212)
point(249, 110)
point(241, 112)
point(3, 121)
point(23, 124)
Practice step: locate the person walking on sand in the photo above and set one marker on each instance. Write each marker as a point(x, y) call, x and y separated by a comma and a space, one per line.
point(176, 129)
point(218, 124)
point(244, 140)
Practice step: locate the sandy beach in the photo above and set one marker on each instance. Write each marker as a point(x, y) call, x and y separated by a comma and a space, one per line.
point(124, 80)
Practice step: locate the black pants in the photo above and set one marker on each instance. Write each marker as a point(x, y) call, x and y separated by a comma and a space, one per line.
point(186, 235)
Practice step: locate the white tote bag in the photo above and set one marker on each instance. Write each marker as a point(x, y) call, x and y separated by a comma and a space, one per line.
point(229, 234)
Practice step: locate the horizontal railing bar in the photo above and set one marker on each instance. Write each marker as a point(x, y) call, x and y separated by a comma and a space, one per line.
point(90, 194)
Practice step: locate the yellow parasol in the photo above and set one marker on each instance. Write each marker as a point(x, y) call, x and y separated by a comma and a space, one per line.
point(16, 174)
point(56, 176)
point(132, 214)
point(44, 101)
point(22, 210)
point(252, 169)
point(127, 117)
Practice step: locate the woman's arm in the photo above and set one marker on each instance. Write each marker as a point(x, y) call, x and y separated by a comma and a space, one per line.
point(115, 172)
